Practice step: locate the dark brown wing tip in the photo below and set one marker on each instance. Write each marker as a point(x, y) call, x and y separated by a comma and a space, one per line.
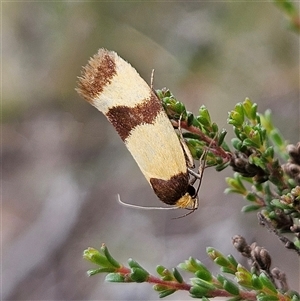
point(98, 73)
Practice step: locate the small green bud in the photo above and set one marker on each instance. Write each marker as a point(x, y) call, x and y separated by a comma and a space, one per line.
point(243, 276)
point(235, 119)
point(204, 117)
point(247, 106)
point(239, 110)
point(96, 257)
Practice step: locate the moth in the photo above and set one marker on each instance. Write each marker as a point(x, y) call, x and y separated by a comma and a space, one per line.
point(115, 88)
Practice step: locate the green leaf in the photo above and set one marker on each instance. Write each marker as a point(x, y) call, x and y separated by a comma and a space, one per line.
point(101, 270)
point(250, 208)
point(198, 291)
point(159, 287)
point(116, 277)
point(250, 143)
point(256, 282)
point(253, 112)
point(269, 152)
point(277, 203)
point(232, 260)
point(231, 287)
point(221, 278)
point(222, 261)
point(221, 137)
point(160, 270)
point(190, 118)
point(204, 274)
point(202, 283)
point(262, 297)
point(139, 275)
point(112, 261)
point(196, 264)
point(236, 143)
point(277, 138)
point(227, 270)
point(251, 197)
point(177, 275)
point(214, 128)
point(180, 108)
point(265, 280)
point(133, 264)
point(236, 184)
point(237, 298)
point(166, 293)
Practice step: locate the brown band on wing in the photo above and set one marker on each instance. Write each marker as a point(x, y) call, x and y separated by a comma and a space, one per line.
point(97, 74)
point(170, 191)
point(124, 119)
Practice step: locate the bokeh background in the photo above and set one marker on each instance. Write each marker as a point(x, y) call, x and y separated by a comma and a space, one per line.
point(63, 163)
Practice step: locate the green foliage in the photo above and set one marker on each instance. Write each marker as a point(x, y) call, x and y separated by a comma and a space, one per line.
point(238, 284)
point(260, 178)
point(268, 186)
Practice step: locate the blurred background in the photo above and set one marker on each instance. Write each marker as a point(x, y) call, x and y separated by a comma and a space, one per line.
point(63, 163)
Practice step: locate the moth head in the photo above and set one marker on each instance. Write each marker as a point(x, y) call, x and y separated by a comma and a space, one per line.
point(189, 200)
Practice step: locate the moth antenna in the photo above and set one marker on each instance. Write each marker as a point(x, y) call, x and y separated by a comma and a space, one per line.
point(143, 207)
point(152, 79)
point(186, 214)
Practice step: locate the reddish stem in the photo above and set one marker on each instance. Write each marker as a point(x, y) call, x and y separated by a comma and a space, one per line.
point(216, 149)
point(171, 284)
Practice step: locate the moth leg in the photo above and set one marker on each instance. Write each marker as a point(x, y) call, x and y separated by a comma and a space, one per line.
point(188, 156)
